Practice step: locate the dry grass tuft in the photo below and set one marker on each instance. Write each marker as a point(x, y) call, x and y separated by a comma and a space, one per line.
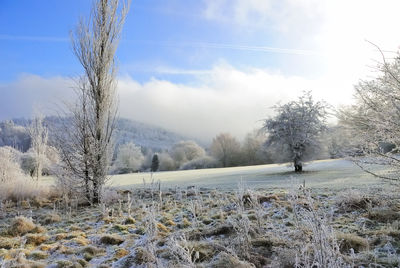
point(170, 222)
point(223, 229)
point(51, 218)
point(82, 241)
point(120, 253)
point(384, 215)
point(47, 247)
point(61, 236)
point(351, 241)
point(92, 250)
point(162, 228)
point(36, 239)
point(143, 256)
point(21, 225)
point(225, 260)
point(129, 220)
point(354, 200)
point(113, 239)
point(9, 243)
point(38, 255)
point(22, 188)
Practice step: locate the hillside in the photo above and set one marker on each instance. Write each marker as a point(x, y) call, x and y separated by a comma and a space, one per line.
point(13, 133)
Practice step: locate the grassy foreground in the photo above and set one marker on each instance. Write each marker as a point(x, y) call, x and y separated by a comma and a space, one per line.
point(236, 225)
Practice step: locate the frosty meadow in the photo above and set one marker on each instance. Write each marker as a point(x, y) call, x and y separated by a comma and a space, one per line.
point(199, 134)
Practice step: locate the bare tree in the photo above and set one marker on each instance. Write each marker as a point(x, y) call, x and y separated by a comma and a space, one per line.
point(226, 149)
point(296, 128)
point(86, 150)
point(253, 149)
point(39, 136)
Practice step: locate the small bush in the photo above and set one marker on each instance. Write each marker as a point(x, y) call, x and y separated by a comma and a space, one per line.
point(110, 196)
point(199, 163)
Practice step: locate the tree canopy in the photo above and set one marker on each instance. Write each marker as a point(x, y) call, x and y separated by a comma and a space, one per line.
point(295, 129)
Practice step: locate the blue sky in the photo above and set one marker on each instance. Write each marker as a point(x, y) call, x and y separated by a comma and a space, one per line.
point(35, 39)
point(183, 63)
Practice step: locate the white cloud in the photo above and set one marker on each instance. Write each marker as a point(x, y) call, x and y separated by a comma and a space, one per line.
point(292, 17)
point(31, 92)
point(223, 99)
point(335, 30)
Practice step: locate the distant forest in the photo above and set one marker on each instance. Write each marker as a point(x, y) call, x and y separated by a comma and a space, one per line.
point(14, 133)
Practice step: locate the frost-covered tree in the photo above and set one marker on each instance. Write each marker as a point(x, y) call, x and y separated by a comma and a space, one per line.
point(39, 136)
point(129, 158)
point(14, 135)
point(226, 149)
point(185, 151)
point(295, 130)
point(9, 164)
point(201, 162)
point(48, 161)
point(253, 150)
point(375, 119)
point(166, 162)
point(86, 151)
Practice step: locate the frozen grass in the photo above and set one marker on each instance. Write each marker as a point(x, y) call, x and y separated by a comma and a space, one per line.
point(262, 217)
point(337, 173)
point(22, 189)
point(318, 174)
point(207, 228)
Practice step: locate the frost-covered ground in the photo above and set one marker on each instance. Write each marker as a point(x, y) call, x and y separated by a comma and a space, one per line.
point(324, 173)
point(236, 217)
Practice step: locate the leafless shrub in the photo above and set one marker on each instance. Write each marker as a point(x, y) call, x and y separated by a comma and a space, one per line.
point(323, 249)
point(110, 196)
point(146, 252)
point(181, 251)
point(241, 243)
point(258, 208)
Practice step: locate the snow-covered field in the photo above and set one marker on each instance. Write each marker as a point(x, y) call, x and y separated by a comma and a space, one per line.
point(338, 173)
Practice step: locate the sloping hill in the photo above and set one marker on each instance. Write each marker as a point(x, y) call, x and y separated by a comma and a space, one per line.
point(13, 133)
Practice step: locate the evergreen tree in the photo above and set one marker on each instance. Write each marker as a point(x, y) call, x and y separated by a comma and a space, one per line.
point(155, 163)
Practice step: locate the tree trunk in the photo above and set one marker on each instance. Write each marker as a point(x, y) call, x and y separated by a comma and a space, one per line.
point(96, 192)
point(298, 166)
